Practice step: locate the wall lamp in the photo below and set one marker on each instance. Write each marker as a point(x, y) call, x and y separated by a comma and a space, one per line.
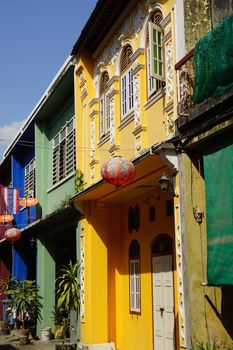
point(167, 184)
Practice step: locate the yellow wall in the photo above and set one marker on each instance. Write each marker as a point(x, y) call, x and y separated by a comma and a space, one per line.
point(107, 315)
point(205, 324)
point(105, 238)
point(131, 139)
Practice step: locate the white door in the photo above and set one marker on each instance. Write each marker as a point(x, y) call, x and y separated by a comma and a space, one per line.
point(163, 303)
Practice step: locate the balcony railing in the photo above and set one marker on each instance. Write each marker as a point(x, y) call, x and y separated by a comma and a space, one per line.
point(185, 73)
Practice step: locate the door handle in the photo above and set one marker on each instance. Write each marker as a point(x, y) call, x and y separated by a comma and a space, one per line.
point(161, 311)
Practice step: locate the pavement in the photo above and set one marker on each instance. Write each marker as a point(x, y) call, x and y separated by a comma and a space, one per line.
point(11, 342)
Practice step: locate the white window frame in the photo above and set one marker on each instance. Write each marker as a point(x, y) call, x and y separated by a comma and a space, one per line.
point(29, 179)
point(134, 285)
point(64, 154)
point(127, 92)
point(104, 114)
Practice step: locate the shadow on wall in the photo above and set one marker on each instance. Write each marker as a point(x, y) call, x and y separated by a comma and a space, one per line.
point(227, 309)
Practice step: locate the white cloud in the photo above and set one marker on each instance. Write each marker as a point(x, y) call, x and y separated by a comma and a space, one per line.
point(7, 135)
point(8, 132)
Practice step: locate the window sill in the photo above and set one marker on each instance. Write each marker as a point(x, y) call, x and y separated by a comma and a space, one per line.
point(155, 98)
point(126, 120)
point(60, 182)
point(135, 313)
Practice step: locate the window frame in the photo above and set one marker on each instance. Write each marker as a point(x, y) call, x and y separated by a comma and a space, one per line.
point(62, 161)
point(29, 179)
point(135, 284)
point(155, 81)
point(134, 278)
point(104, 111)
point(159, 45)
point(126, 83)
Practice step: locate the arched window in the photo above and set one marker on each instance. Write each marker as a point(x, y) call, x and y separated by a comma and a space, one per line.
point(134, 275)
point(127, 100)
point(162, 245)
point(104, 104)
point(154, 54)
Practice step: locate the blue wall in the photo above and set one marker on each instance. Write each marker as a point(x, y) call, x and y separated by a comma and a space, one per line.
point(22, 154)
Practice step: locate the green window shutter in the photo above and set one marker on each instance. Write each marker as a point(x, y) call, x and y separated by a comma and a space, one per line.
point(156, 51)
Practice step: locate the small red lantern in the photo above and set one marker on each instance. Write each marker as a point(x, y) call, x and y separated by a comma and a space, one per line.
point(12, 234)
point(118, 171)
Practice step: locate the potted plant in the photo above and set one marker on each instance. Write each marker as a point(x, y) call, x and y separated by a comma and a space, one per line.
point(67, 295)
point(25, 301)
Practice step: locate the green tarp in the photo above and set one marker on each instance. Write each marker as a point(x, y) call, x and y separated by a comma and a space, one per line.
point(213, 62)
point(218, 171)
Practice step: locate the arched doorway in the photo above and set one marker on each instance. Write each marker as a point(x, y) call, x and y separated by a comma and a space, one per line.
point(163, 293)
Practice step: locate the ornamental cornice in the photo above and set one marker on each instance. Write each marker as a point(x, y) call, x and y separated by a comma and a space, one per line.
point(93, 101)
point(93, 113)
point(139, 129)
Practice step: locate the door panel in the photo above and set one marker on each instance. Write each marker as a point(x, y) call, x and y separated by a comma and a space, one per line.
point(163, 303)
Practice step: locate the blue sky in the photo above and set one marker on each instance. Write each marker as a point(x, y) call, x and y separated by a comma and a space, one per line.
point(36, 37)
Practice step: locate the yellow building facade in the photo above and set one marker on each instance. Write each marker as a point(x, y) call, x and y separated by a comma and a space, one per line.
point(132, 292)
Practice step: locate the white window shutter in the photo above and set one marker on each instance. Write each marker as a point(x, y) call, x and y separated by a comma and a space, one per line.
point(156, 51)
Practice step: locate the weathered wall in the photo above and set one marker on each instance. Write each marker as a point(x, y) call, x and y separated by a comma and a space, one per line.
point(220, 9)
point(197, 21)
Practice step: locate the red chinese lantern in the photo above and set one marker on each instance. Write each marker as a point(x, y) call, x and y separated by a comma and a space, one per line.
point(12, 234)
point(118, 171)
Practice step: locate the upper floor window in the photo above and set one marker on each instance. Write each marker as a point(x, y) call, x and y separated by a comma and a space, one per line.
point(30, 179)
point(127, 99)
point(104, 105)
point(64, 157)
point(134, 272)
point(154, 51)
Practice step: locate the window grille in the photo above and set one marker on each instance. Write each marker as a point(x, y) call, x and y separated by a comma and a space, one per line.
point(30, 179)
point(64, 156)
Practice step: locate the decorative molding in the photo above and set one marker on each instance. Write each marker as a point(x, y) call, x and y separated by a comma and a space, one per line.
point(126, 121)
point(83, 94)
point(139, 129)
point(112, 92)
point(93, 113)
point(167, 37)
point(169, 107)
point(155, 98)
point(137, 67)
point(92, 129)
point(114, 79)
point(112, 121)
point(138, 143)
point(82, 277)
point(113, 148)
point(93, 101)
point(169, 71)
point(180, 279)
point(166, 20)
point(137, 114)
point(82, 83)
point(104, 139)
point(93, 162)
point(140, 51)
point(92, 174)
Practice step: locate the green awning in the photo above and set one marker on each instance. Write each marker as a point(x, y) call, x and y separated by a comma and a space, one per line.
point(218, 170)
